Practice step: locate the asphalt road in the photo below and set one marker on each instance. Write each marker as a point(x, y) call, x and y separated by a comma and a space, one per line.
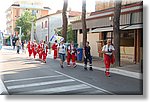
point(22, 75)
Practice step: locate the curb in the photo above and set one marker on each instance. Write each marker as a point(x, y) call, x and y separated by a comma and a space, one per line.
point(114, 70)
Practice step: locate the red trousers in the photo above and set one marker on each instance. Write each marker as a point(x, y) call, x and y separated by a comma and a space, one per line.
point(30, 52)
point(34, 53)
point(44, 56)
point(40, 54)
point(55, 54)
point(108, 60)
point(69, 57)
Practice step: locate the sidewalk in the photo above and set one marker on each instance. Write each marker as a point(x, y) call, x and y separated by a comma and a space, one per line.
point(127, 68)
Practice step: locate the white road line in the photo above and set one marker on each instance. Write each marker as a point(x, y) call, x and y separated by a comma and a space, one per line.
point(39, 84)
point(32, 78)
point(85, 83)
point(58, 89)
point(3, 90)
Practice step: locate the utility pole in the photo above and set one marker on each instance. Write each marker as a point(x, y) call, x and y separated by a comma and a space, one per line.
point(32, 32)
point(19, 32)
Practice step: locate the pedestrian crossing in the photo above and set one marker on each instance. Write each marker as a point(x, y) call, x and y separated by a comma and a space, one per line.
point(57, 84)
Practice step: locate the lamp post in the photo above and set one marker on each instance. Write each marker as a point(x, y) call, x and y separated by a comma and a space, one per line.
point(32, 32)
point(19, 32)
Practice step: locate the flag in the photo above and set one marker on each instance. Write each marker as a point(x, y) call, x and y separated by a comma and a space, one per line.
point(56, 37)
point(53, 37)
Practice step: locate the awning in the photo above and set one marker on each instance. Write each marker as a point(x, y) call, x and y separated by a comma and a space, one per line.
point(137, 26)
point(109, 29)
point(106, 29)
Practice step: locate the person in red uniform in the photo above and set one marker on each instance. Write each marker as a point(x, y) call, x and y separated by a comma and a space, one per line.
point(40, 50)
point(108, 51)
point(45, 50)
point(71, 54)
point(29, 48)
point(54, 47)
point(34, 48)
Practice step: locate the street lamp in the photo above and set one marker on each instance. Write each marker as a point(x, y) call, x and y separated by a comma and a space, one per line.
point(32, 32)
point(19, 32)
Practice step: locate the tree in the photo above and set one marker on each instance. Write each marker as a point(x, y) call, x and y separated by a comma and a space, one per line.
point(116, 29)
point(25, 23)
point(84, 22)
point(65, 20)
point(70, 34)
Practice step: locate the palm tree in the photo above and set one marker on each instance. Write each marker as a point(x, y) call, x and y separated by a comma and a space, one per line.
point(65, 20)
point(116, 29)
point(84, 22)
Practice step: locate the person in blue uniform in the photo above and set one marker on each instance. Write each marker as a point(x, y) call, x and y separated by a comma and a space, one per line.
point(87, 56)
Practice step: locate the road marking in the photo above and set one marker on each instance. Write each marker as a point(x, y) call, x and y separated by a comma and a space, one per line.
point(32, 78)
point(39, 84)
point(58, 89)
point(3, 89)
point(85, 83)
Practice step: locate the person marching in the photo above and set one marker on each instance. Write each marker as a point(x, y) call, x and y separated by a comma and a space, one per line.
point(40, 50)
point(71, 54)
point(34, 48)
point(62, 53)
point(54, 47)
point(45, 50)
point(18, 44)
point(87, 56)
point(29, 48)
point(108, 51)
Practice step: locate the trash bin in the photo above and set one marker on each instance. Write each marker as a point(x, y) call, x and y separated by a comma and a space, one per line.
point(79, 54)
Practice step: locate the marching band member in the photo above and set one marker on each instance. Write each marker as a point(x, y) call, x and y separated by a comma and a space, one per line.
point(45, 50)
point(87, 56)
point(108, 51)
point(40, 49)
point(71, 54)
point(34, 48)
point(54, 47)
point(29, 48)
point(62, 52)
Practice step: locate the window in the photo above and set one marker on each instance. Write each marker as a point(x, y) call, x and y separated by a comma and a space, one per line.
point(42, 25)
point(45, 24)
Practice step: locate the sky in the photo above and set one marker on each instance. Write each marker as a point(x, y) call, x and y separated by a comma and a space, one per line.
point(53, 4)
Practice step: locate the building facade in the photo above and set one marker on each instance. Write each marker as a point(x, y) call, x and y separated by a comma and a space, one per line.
point(18, 8)
point(48, 25)
point(105, 4)
point(100, 28)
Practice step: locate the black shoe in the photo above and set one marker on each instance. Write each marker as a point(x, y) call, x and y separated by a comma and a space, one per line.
point(74, 66)
point(62, 66)
point(91, 69)
point(85, 68)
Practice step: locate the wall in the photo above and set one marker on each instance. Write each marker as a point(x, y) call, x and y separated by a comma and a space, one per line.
point(92, 40)
point(55, 22)
point(104, 4)
point(41, 32)
point(127, 53)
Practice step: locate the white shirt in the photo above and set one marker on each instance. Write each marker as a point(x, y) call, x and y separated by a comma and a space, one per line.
point(108, 48)
point(71, 49)
point(62, 48)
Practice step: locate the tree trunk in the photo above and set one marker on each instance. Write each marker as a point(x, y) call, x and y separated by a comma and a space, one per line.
point(116, 29)
point(84, 31)
point(65, 20)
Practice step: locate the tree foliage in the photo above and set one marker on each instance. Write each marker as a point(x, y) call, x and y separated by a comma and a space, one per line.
point(70, 35)
point(25, 23)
